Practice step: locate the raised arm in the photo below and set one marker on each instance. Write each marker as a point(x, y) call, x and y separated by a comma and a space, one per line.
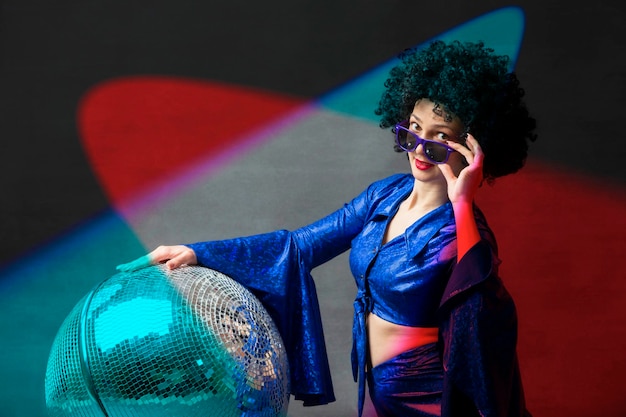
point(461, 192)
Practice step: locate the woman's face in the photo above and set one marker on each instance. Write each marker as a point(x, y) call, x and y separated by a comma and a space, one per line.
point(433, 123)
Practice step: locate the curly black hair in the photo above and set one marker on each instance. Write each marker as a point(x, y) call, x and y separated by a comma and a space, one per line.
point(470, 81)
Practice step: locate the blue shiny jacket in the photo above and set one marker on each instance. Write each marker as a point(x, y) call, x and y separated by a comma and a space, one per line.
point(276, 267)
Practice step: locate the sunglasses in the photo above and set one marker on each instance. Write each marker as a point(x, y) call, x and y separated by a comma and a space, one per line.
point(408, 141)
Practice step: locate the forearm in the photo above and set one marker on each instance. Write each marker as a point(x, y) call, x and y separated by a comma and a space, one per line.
point(467, 234)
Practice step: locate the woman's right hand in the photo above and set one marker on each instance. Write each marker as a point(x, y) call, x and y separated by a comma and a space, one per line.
point(172, 256)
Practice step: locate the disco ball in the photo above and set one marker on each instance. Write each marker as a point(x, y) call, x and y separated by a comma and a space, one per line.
point(187, 342)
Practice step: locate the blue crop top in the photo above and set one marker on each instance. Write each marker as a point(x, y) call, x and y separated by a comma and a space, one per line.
point(403, 280)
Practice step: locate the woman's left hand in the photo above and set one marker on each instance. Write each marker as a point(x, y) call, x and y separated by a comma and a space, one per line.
point(463, 187)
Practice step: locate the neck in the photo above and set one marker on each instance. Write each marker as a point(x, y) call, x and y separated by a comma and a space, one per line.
point(425, 197)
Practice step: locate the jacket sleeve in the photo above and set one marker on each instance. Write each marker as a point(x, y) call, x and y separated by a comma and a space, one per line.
point(479, 336)
point(276, 268)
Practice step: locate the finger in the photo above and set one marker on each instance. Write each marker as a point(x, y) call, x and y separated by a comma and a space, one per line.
point(138, 263)
point(447, 172)
point(467, 153)
point(475, 147)
point(472, 141)
point(184, 258)
point(160, 254)
point(174, 263)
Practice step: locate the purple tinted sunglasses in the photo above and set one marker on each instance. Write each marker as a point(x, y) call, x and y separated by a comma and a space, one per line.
point(408, 141)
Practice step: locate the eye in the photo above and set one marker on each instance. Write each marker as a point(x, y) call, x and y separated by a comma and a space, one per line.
point(442, 136)
point(414, 127)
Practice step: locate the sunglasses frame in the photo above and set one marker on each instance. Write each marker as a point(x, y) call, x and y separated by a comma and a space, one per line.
point(420, 141)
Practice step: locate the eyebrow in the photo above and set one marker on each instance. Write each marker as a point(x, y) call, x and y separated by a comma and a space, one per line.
point(438, 126)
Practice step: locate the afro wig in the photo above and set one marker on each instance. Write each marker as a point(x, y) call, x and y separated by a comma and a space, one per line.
point(472, 83)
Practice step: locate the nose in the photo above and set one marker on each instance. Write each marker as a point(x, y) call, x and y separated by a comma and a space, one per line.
point(419, 149)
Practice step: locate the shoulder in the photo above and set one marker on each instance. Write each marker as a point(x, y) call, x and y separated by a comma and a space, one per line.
point(390, 185)
point(380, 196)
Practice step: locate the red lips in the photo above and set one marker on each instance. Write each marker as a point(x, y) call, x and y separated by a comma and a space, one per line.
point(422, 166)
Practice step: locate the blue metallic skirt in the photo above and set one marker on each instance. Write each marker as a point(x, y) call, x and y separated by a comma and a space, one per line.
point(409, 384)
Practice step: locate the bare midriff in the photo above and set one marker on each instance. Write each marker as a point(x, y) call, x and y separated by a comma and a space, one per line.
point(387, 340)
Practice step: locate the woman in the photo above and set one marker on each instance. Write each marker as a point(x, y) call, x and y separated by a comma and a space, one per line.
point(434, 329)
